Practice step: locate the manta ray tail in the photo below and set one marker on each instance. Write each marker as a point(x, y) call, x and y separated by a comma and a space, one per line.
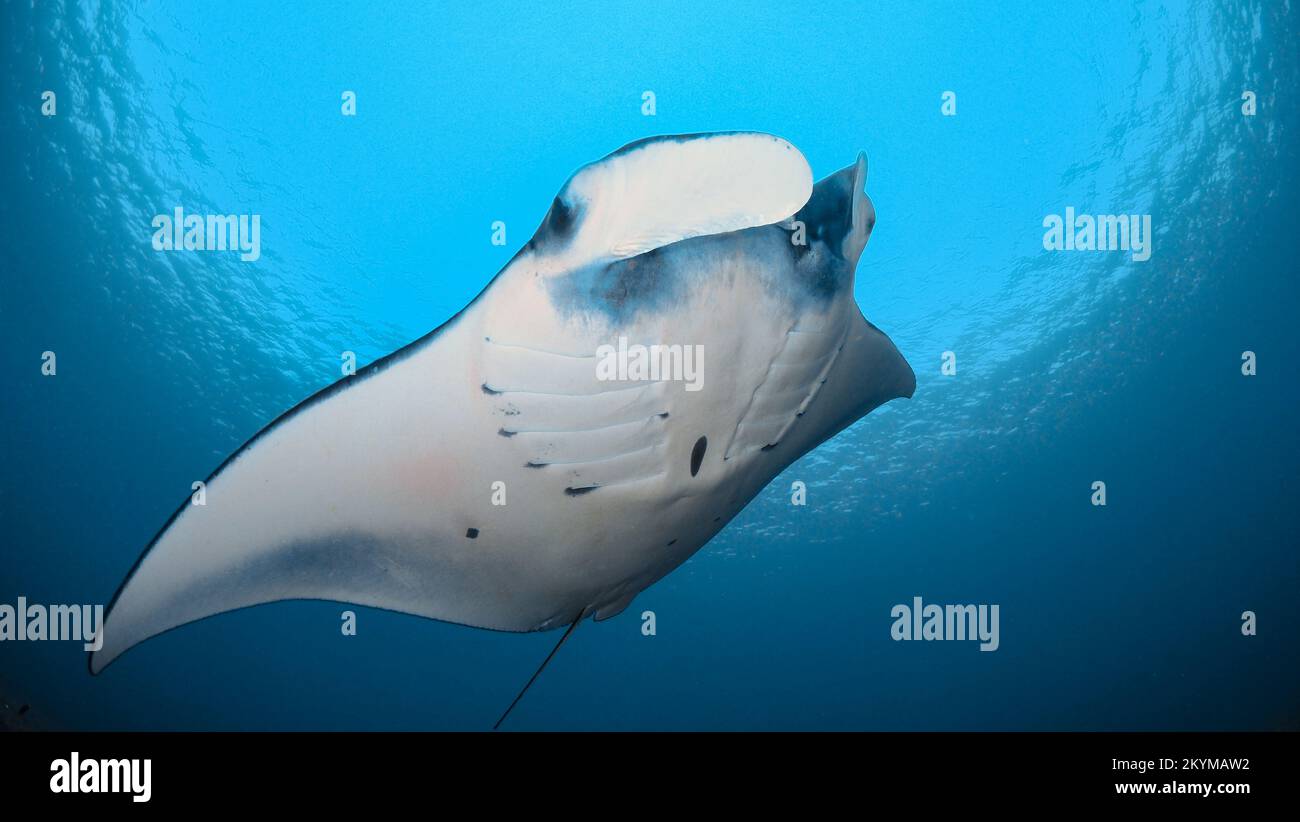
point(539, 670)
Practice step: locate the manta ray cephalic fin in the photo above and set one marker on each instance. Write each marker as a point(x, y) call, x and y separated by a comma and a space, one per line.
point(662, 190)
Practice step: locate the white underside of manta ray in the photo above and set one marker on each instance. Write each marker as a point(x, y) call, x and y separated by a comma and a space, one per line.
point(379, 490)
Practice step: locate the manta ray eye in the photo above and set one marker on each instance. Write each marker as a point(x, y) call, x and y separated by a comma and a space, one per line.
point(697, 454)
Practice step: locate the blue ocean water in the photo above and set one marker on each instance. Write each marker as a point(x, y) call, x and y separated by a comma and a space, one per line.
point(1072, 367)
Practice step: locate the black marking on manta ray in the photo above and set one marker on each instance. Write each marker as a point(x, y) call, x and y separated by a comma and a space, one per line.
point(824, 215)
point(626, 281)
point(503, 432)
point(556, 230)
point(580, 490)
point(653, 281)
point(672, 542)
point(561, 217)
point(472, 533)
point(697, 454)
point(828, 219)
point(491, 391)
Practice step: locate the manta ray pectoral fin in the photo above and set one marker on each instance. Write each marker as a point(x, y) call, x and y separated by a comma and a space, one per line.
point(660, 190)
point(353, 496)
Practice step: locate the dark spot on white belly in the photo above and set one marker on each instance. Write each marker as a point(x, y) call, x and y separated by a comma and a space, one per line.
point(697, 454)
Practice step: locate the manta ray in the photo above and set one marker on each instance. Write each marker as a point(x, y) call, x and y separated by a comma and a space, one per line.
point(487, 475)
